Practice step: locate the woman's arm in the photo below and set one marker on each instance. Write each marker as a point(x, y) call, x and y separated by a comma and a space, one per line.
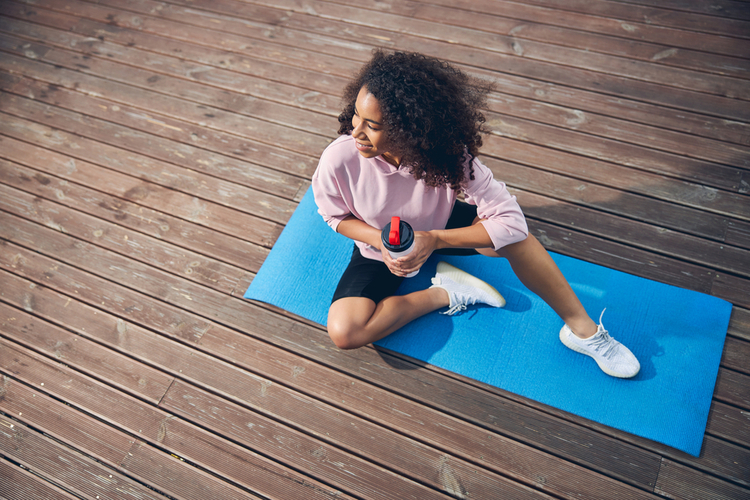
point(474, 236)
point(353, 228)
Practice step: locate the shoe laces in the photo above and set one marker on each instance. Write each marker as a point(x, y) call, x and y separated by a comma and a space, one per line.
point(453, 310)
point(602, 341)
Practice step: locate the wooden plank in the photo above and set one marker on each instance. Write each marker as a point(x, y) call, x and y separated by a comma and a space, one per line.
point(194, 445)
point(724, 449)
point(127, 337)
point(88, 395)
point(325, 461)
point(738, 232)
point(190, 74)
point(699, 148)
point(239, 172)
point(548, 71)
point(157, 224)
point(712, 196)
point(191, 265)
point(730, 423)
point(106, 264)
point(207, 116)
point(655, 16)
point(198, 186)
point(91, 437)
point(733, 388)
point(110, 24)
point(175, 477)
point(169, 128)
point(529, 49)
point(718, 457)
point(19, 484)
point(739, 323)
point(274, 329)
point(583, 20)
point(283, 116)
point(597, 104)
point(572, 177)
point(618, 130)
point(678, 481)
point(135, 191)
point(731, 154)
point(737, 260)
point(732, 288)
point(97, 361)
point(514, 21)
point(68, 469)
point(221, 371)
point(633, 233)
point(203, 301)
point(219, 309)
point(299, 34)
point(507, 419)
point(710, 173)
point(94, 291)
point(621, 257)
point(332, 425)
point(724, 8)
point(737, 355)
point(617, 110)
point(436, 391)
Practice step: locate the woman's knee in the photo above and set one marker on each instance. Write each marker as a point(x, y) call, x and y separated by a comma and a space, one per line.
point(342, 334)
point(347, 318)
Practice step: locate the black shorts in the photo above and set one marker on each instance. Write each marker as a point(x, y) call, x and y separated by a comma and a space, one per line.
point(372, 279)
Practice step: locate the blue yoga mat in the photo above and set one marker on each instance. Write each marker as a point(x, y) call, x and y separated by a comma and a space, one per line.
point(677, 335)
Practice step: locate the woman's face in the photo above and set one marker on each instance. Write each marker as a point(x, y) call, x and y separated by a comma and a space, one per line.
point(368, 132)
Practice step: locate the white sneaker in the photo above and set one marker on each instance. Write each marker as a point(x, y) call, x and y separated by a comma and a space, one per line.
point(612, 357)
point(464, 289)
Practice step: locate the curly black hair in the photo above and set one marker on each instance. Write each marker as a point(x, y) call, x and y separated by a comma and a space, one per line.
point(431, 113)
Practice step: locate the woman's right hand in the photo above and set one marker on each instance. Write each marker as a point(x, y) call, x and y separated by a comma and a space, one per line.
point(424, 244)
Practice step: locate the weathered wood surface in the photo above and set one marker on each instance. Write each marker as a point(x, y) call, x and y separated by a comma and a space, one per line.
point(151, 153)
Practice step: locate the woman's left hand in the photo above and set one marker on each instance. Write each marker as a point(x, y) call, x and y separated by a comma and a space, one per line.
point(424, 244)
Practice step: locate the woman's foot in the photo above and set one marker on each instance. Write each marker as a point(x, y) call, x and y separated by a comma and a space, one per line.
point(464, 289)
point(612, 357)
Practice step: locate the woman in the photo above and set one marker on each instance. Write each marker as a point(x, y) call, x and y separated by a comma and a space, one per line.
point(409, 137)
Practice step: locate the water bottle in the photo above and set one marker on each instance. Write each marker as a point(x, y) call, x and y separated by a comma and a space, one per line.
point(398, 239)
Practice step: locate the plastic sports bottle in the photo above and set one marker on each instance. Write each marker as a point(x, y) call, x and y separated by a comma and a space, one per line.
point(398, 239)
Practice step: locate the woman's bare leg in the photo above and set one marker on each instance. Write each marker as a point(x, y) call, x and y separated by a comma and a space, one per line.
point(536, 269)
point(357, 321)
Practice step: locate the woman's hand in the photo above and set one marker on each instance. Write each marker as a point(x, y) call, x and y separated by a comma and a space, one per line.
point(425, 243)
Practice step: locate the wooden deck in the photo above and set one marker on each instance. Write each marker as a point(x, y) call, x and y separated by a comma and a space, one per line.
point(151, 153)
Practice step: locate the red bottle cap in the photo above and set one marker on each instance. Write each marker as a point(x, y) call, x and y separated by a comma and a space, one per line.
point(394, 236)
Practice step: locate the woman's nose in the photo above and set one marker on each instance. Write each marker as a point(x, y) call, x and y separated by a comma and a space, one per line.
point(358, 128)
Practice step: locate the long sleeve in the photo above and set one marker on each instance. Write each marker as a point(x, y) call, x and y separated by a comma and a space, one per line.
point(501, 214)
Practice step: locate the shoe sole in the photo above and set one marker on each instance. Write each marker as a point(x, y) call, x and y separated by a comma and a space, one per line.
point(576, 348)
point(464, 278)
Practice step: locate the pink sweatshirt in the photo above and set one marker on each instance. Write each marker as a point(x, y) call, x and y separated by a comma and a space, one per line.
point(346, 183)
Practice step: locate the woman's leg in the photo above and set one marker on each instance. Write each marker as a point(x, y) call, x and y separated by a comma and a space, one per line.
point(357, 321)
point(539, 273)
point(536, 269)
